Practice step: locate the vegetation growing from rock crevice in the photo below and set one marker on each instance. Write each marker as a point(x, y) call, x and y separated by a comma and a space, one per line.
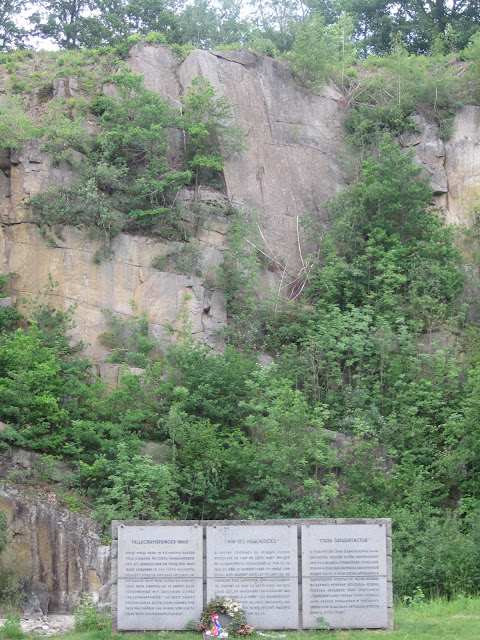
point(127, 180)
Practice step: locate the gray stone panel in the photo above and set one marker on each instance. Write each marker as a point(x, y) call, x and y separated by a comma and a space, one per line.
point(160, 576)
point(149, 605)
point(252, 551)
point(160, 552)
point(353, 602)
point(258, 566)
point(345, 575)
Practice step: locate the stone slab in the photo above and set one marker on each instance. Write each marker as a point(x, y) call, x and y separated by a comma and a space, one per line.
point(353, 602)
point(345, 575)
point(160, 577)
point(252, 551)
point(149, 605)
point(258, 566)
point(160, 552)
point(345, 572)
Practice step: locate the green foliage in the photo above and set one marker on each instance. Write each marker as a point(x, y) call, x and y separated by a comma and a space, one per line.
point(15, 124)
point(418, 597)
point(291, 465)
point(135, 488)
point(215, 383)
point(211, 135)
point(128, 339)
point(392, 88)
point(203, 479)
point(182, 51)
point(239, 278)
point(11, 629)
point(321, 51)
point(91, 202)
point(263, 46)
point(64, 131)
point(389, 248)
point(440, 556)
point(12, 33)
point(206, 25)
point(386, 272)
point(126, 180)
point(88, 616)
point(472, 54)
point(386, 280)
point(185, 259)
point(9, 316)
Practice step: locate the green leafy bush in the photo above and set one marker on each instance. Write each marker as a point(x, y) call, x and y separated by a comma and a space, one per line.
point(321, 51)
point(136, 489)
point(211, 135)
point(9, 316)
point(129, 339)
point(89, 617)
point(15, 125)
point(392, 88)
point(11, 629)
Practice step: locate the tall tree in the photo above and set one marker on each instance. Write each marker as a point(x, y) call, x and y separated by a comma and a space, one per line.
point(277, 20)
point(122, 18)
point(373, 23)
point(68, 23)
point(11, 34)
point(422, 21)
point(206, 25)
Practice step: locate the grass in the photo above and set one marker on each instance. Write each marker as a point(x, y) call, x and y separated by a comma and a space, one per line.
point(439, 619)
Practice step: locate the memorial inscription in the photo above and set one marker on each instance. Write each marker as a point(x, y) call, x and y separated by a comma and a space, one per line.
point(160, 577)
point(344, 575)
point(285, 574)
point(258, 566)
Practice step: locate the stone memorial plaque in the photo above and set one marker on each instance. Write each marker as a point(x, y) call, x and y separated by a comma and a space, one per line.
point(160, 577)
point(164, 575)
point(258, 566)
point(150, 605)
point(344, 571)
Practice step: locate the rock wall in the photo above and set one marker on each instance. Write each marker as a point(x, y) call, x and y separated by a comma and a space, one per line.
point(57, 548)
point(49, 546)
point(453, 166)
point(290, 165)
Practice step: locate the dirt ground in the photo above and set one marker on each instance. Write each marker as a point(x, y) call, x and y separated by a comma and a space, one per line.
point(46, 625)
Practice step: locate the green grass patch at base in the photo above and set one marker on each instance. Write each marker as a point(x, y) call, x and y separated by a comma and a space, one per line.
point(458, 619)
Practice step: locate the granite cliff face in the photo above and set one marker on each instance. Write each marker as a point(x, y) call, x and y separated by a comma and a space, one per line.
point(291, 164)
point(52, 549)
point(453, 167)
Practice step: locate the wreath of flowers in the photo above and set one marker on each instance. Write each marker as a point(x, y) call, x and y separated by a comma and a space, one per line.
point(238, 627)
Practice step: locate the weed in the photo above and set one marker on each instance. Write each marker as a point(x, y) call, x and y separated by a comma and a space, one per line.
point(89, 617)
point(11, 629)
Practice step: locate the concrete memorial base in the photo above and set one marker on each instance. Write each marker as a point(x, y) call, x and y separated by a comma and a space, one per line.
point(286, 574)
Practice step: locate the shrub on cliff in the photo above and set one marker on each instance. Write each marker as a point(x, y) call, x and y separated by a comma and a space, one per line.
point(127, 179)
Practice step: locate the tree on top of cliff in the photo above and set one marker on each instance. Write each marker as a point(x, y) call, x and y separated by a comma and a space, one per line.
point(12, 35)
